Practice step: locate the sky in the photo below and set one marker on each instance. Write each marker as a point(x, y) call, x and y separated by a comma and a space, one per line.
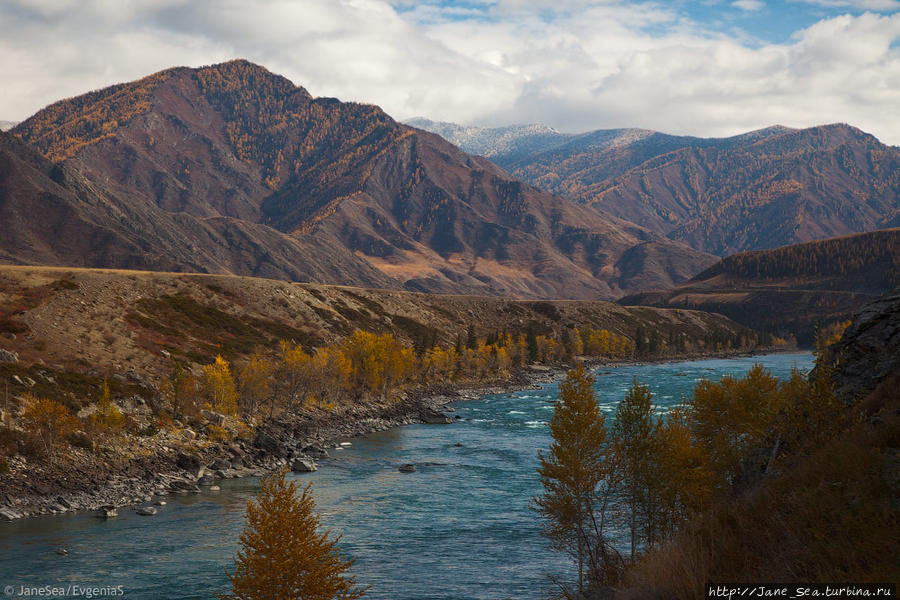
point(705, 67)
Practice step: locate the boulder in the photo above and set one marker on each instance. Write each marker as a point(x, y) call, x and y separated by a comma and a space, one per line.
point(107, 512)
point(304, 465)
point(146, 511)
point(269, 443)
point(8, 514)
point(407, 468)
point(436, 418)
point(8, 356)
point(62, 551)
point(220, 464)
point(207, 480)
point(315, 452)
point(213, 417)
point(188, 435)
point(188, 462)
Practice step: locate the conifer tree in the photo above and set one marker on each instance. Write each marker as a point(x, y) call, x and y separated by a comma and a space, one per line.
point(578, 481)
point(284, 555)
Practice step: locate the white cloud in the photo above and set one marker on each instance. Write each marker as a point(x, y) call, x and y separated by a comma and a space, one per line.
point(589, 65)
point(876, 5)
point(749, 5)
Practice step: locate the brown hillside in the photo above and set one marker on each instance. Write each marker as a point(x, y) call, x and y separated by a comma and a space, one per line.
point(110, 321)
point(233, 141)
point(793, 289)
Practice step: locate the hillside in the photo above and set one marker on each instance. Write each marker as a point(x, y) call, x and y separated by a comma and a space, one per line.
point(235, 144)
point(53, 215)
point(794, 288)
point(758, 190)
point(115, 320)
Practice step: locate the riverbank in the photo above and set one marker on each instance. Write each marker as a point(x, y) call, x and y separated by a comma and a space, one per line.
point(82, 481)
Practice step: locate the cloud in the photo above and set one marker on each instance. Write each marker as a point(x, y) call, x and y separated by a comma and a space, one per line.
point(749, 5)
point(573, 64)
point(874, 5)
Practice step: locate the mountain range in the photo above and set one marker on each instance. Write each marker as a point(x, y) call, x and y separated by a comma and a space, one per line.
point(232, 169)
point(759, 190)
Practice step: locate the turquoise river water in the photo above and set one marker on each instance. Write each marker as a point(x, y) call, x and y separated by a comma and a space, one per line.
point(458, 528)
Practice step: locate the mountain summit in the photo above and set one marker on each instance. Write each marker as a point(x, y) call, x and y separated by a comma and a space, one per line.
point(372, 201)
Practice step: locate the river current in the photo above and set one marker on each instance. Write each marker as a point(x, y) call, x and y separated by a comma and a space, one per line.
point(459, 528)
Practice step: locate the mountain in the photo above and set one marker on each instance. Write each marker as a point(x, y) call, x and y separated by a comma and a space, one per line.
point(5, 125)
point(53, 215)
point(759, 190)
point(793, 289)
point(233, 146)
point(503, 145)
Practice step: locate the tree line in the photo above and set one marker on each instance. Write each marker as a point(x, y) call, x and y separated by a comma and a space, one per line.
point(651, 473)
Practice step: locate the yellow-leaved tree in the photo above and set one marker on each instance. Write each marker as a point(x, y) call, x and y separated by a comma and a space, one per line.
point(578, 481)
point(49, 419)
point(218, 386)
point(284, 555)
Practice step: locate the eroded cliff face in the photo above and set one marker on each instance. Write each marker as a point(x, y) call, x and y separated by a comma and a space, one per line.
point(869, 351)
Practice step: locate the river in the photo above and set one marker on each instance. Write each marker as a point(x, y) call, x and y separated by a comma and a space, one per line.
point(458, 528)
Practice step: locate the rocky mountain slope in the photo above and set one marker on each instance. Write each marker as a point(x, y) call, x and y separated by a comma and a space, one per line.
point(793, 289)
point(53, 215)
point(758, 190)
point(245, 152)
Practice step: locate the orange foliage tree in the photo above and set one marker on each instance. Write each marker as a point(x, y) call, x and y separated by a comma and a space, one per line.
point(284, 555)
point(49, 419)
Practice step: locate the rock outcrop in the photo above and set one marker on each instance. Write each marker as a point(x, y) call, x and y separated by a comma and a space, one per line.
point(869, 350)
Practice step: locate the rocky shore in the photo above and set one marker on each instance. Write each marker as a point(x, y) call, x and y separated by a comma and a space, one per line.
point(295, 442)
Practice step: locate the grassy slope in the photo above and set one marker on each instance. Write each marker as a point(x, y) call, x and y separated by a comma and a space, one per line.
point(109, 321)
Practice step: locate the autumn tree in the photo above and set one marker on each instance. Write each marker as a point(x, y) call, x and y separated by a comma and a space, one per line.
point(634, 444)
point(733, 417)
point(284, 554)
point(184, 391)
point(49, 419)
point(218, 387)
point(254, 382)
point(578, 482)
point(107, 418)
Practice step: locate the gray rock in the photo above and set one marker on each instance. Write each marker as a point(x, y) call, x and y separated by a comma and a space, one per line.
point(8, 514)
point(207, 480)
point(107, 512)
point(269, 443)
point(220, 464)
point(62, 551)
point(303, 465)
point(214, 488)
point(869, 350)
point(407, 468)
point(8, 356)
point(65, 503)
point(213, 417)
point(188, 462)
point(315, 452)
point(146, 511)
point(160, 502)
point(436, 419)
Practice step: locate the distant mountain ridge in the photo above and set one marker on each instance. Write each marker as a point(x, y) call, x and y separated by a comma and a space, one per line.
point(791, 290)
point(372, 202)
point(759, 190)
